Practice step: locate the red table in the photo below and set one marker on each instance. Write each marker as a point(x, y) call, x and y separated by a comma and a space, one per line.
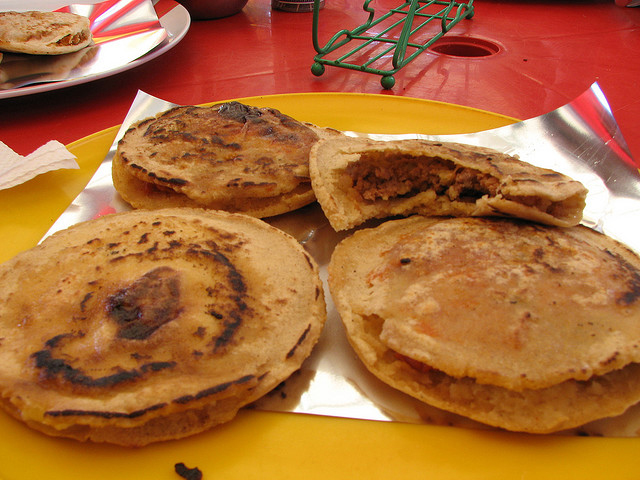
point(550, 52)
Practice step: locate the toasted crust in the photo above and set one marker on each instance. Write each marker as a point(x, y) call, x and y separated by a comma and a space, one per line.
point(146, 195)
point(560, 407)
point(229, 156)
point(149, 325)
point(485, 317)
point(356, 179)
point(43, 33)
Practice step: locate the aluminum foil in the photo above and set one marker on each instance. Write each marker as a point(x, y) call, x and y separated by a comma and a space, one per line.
point(123, 31)
point(580, 139)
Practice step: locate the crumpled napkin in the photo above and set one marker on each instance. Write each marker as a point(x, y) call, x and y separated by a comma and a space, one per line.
point(16, 169)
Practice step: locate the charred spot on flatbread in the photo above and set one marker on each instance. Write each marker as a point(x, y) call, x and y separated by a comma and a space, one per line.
point(229, 156)
point(157, 324)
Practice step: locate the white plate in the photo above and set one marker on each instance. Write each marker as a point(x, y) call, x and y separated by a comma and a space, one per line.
point(176, 22)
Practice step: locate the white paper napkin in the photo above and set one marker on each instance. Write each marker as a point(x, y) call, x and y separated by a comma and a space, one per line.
point(16, 169)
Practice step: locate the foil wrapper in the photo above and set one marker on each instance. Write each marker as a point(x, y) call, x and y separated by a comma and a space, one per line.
point(123, 31)
point(580, 139)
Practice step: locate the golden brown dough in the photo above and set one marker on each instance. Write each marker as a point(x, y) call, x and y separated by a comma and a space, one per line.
point(229, 156)
point(153, 325)
point(506, 322)
point(43, 33)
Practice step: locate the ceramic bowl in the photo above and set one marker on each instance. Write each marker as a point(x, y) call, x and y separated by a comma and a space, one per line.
point(209, 9)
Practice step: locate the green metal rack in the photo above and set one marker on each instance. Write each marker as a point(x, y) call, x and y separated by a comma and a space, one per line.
point(402, 33)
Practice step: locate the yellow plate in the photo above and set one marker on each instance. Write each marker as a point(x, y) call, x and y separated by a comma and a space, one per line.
point(259, 445)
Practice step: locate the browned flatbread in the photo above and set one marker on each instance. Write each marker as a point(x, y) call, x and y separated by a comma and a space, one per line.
point(356, 179)
point(153, 325)
point(506, 322)
point(43, 33)
point(229, 156)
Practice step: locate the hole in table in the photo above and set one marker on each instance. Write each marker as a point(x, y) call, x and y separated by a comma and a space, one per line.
point(459, 46)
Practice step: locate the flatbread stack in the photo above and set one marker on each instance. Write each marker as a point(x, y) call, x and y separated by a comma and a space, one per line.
point(153, 325)
point(518, 325)
point(230, 156)
point(44, 33)
point(357, 179)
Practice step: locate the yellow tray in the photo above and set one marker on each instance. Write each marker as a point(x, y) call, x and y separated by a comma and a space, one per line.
point(260, 445)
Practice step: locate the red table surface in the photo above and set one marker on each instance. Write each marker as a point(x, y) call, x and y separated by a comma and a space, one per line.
point(551, 51)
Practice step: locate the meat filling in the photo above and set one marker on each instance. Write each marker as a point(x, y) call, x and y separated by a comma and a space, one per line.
point(380, 177)
point(76, 39)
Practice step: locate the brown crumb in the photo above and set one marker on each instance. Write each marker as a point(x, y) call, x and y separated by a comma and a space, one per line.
point(188, 473)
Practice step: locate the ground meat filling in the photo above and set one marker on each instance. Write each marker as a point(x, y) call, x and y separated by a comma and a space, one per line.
point(76, 39)
point(378, 176)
